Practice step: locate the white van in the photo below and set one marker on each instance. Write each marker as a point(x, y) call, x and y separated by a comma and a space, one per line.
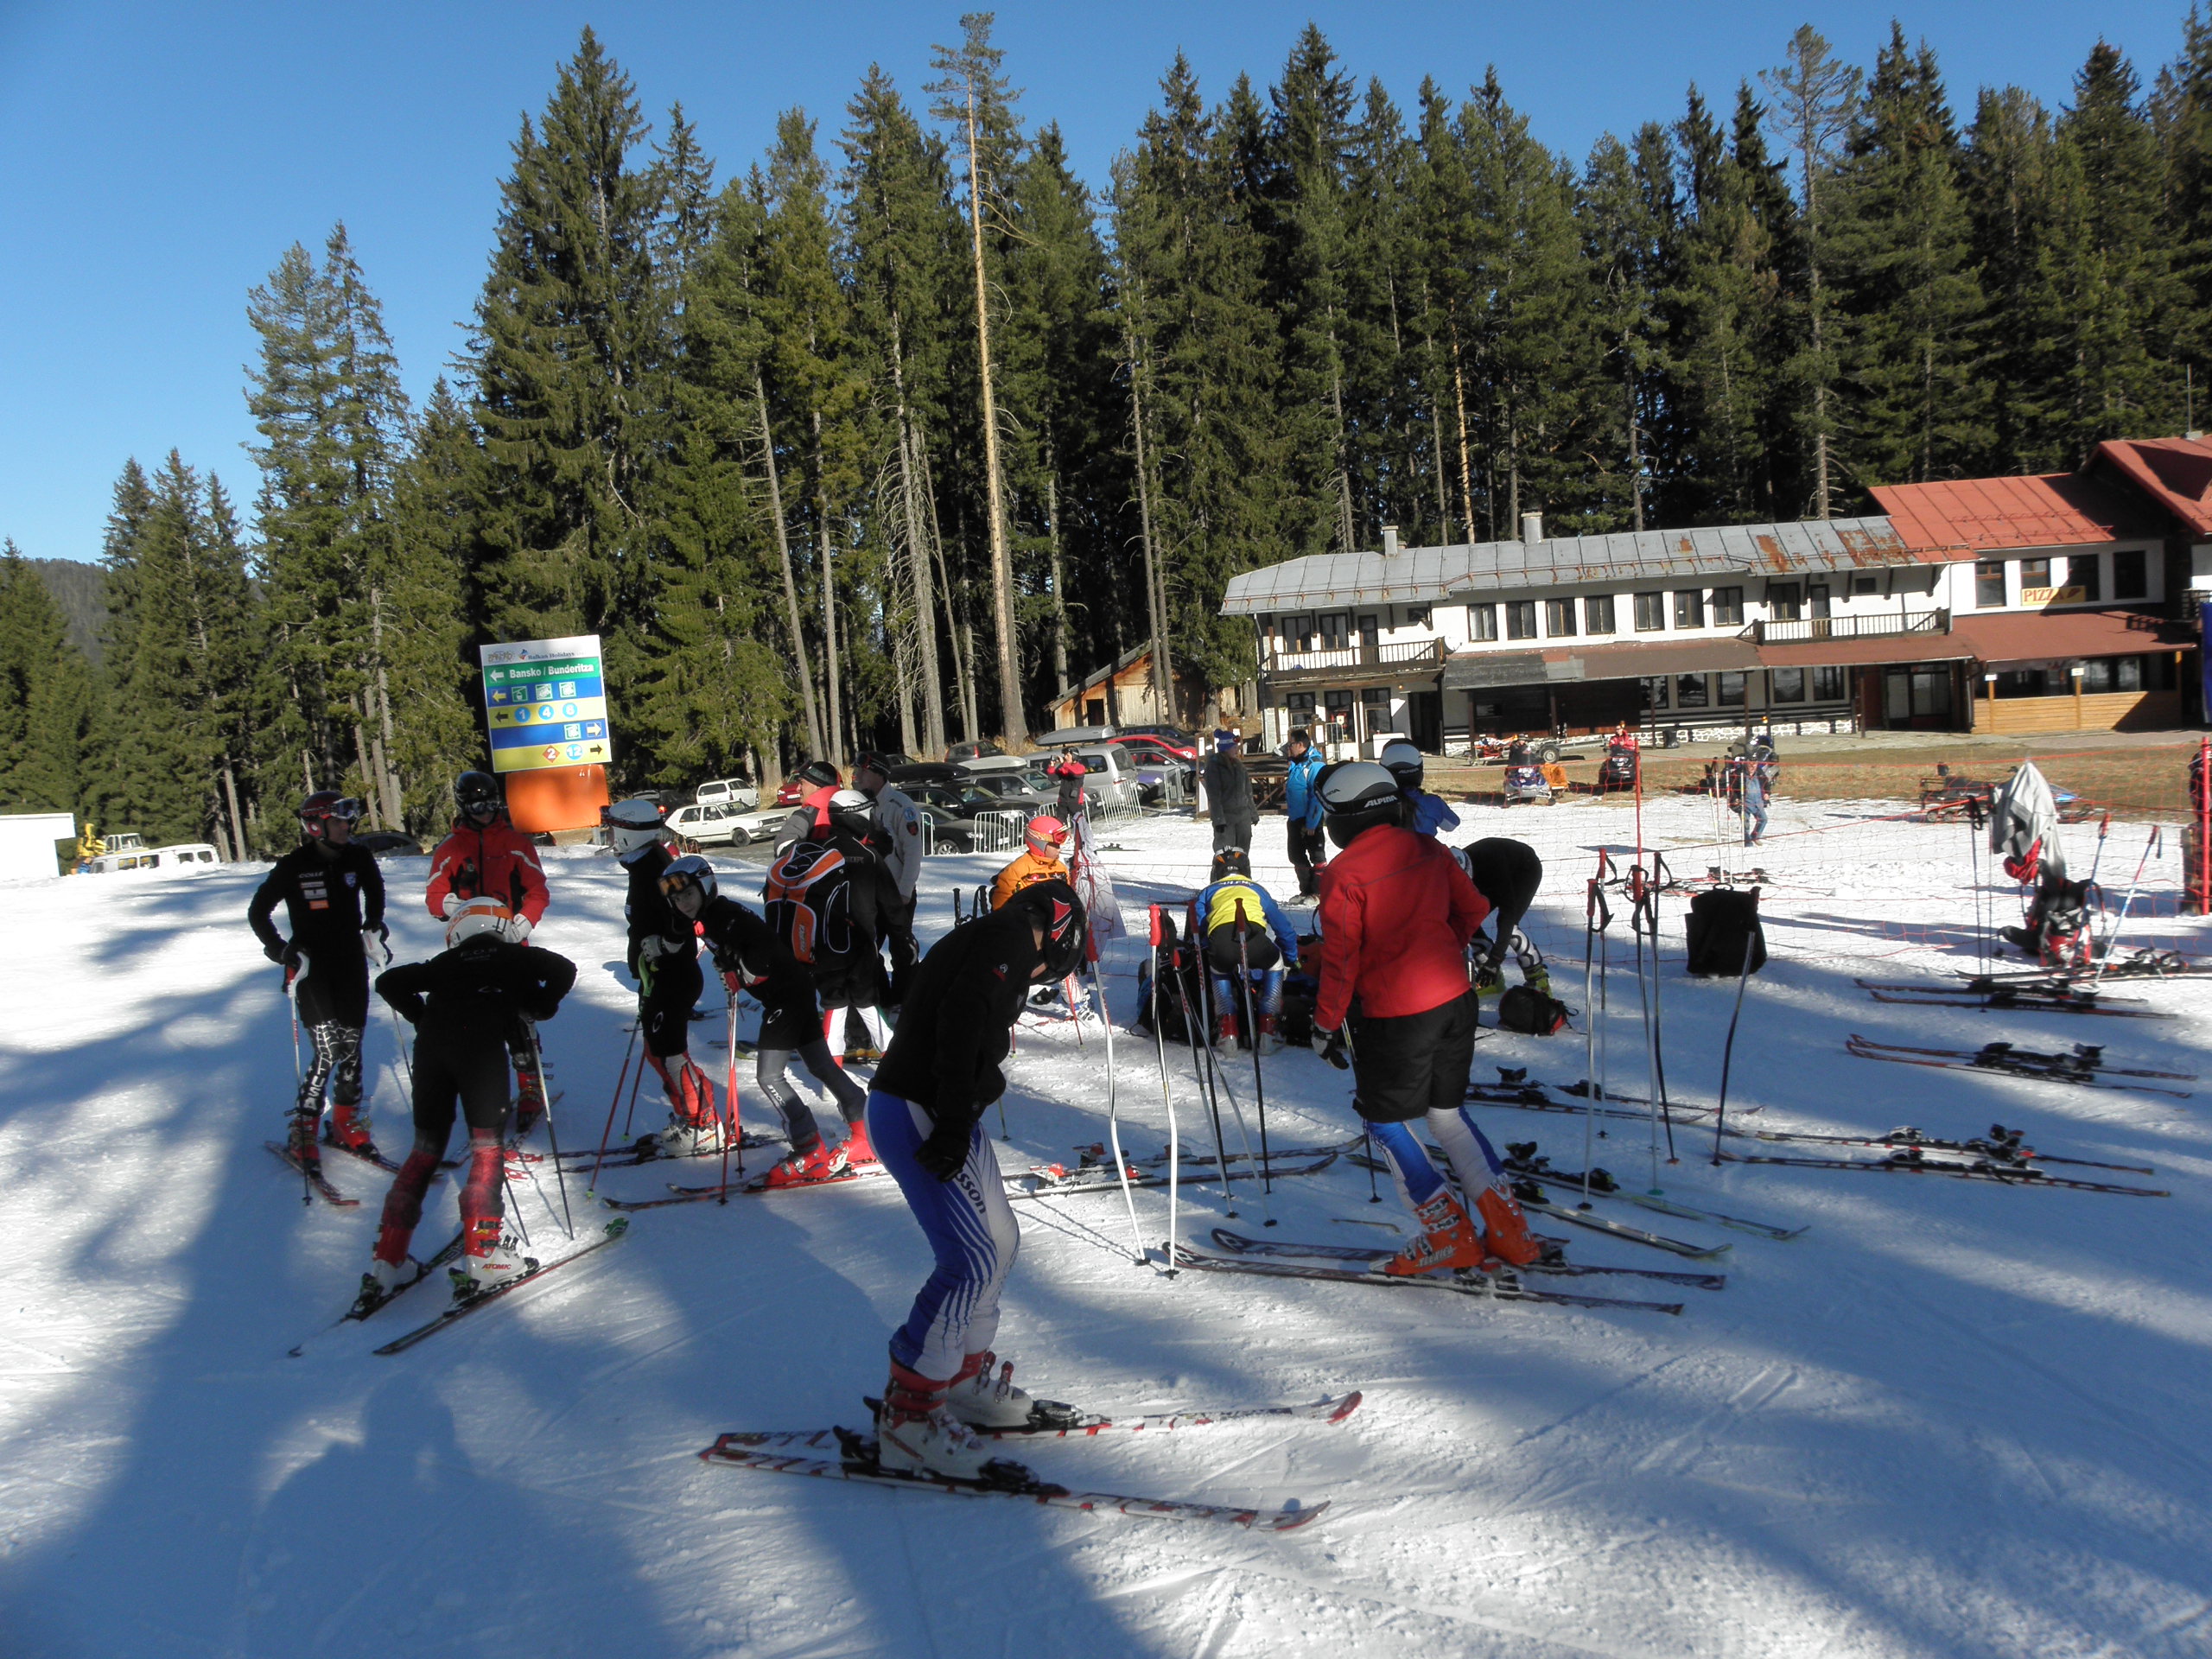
point(736, 792)
point(185, 855)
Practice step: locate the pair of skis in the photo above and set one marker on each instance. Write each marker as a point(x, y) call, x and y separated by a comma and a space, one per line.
point(1523, 1164)
point(1913, 1160)
point(1239, 1244)
point(2083, 1067)
point(2044, 995)
point(851, 1455)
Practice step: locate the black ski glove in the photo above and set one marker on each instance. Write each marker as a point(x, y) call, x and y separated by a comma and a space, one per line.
point(278, 952)
point(1329, 1046)
point(944, 1149)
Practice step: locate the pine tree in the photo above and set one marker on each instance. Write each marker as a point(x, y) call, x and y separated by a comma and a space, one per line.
point(1622, 232)
point(49, 706)
point(2007, 182)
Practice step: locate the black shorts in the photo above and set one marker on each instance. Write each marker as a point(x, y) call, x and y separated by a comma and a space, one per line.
point(1259, 950)
point(1414, 1064)
point(469, 1073)
point(334, 987)
point(791, 1016)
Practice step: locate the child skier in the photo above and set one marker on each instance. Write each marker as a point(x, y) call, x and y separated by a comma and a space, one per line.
point(333, 895)
point(664, 961)
point(1234, 903)
point(1427, 815)
point(463, 1005)
point(752, 957)
point(1396, 914)
point(925, 1115)
point(484, 855)
point(1040, 861)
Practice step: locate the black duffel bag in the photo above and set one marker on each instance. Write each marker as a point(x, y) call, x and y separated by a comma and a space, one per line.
point(1724, 923)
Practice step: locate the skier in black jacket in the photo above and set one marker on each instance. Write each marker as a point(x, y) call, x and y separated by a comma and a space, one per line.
point(333, 895)
point(924, 1116)
point(465, 1005)
point(665, 960)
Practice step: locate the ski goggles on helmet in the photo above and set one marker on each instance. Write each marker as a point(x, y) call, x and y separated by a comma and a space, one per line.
point(320, 808)
point(688, 875)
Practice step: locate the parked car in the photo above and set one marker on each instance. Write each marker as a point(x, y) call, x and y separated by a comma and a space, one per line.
point(1113, 785)
point(707, 824)
point(390, 843)
point(184, 855)
point(760, 824)
point(975, 749)
point(739, 792)
point(1172, 738)
point(1162, 775)
point(948, 833)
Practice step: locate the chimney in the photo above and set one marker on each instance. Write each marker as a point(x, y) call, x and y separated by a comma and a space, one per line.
point(1389, 540)
point(1532, 527)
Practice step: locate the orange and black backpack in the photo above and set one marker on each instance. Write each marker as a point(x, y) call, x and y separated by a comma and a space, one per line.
point(809, 903)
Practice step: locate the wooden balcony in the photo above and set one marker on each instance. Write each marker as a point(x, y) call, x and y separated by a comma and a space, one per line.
point(1350, 664)
point(1873, 626)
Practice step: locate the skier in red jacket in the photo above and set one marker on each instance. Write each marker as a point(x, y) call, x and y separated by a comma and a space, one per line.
point(1396, 912)
point(485, 856)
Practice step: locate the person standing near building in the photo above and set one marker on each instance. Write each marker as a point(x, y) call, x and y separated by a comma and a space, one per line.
point(333, 895)
point(485, 856)
point(925, 1115)
point(1301, 801)
point(1230, 805)
point(1396, 914)
point(898, 838)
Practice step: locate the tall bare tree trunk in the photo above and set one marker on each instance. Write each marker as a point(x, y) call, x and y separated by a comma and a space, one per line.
point(1344, 531)
point(834, 726)
point(1011, 717)
point(1466, 472)
point(802, 672)
point(1155, 594)
point(902, 672)
point(1059, 572)
point(238, 824)
point(963, 666)
point(910, 472)
point(380, 697)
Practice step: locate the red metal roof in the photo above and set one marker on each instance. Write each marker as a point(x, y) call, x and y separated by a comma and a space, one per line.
point(2028, 636)
point(2175, 473)
point(1973, 515)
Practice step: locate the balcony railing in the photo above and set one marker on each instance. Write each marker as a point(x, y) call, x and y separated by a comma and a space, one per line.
point(1872, 625)
point(1408, 654)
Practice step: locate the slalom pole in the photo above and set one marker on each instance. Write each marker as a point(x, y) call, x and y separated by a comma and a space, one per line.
point(300, 1082)
point(1728, 1048)
point(1638, 888)
point(1114, 1101)
point(2150, 846)
point(730, 1131)
point(1166, 1098)
point(1658, 1026)
point(1202, 1072)
point(1259, 1087)
point(552, 1136)
point(621, 1078)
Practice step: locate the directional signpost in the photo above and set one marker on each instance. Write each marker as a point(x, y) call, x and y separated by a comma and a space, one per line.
point(545, 702)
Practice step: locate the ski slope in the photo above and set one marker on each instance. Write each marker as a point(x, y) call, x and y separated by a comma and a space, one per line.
point(1951, 1419)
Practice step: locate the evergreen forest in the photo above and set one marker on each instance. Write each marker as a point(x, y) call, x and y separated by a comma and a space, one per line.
point(879, 439)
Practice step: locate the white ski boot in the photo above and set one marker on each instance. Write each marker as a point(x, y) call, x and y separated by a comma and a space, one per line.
point(687, 1140)
point(984, 1400)
point(916, 1434)
point(500, 1265)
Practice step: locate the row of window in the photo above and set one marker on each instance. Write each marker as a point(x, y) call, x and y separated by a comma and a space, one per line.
point(2154, 673)
point(1336, 630)
point(1730, 690)
point(2075, 580)
point(1690, 608)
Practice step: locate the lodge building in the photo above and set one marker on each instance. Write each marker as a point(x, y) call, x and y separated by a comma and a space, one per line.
point(2050, 603)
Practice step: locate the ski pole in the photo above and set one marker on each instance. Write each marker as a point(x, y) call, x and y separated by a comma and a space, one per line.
point(1252, 1030)
point(1641, 905)
point(1366, 1128)
point(1114, 1104)
point(1728, 1049)
point(2150, 846)
point(621, 1078)
point(1243, 1130)
point(1595, 916)
point(1168, 1099)
point(299, 1085)
point(1658, 1024)
point(1198, 1038)
point(552, 1135)
point(729, 1094)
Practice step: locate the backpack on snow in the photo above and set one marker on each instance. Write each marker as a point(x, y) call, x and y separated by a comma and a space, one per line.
point(808, 903)
point(1723, 925)
point(1531, 1011)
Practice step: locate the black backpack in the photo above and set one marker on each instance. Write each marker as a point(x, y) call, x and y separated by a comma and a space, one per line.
point(1531, 1011)
point(1723, 925)
point(1170, 963)
point(809, 894)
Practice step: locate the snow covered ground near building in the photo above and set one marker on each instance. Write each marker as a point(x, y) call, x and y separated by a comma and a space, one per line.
point(1951, 1418)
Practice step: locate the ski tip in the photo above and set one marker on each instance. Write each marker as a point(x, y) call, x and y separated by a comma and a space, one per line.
point(1346, 1406)
point(1290, 1518)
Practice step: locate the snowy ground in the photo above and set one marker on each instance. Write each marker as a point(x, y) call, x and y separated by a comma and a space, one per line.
point(1951, 1419)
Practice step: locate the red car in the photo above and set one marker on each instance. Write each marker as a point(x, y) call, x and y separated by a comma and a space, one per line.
point(1177, 742)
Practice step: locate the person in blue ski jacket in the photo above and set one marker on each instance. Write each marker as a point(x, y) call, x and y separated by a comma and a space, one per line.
point(1302, 805)
point(1270, 944)
point(1426, 813)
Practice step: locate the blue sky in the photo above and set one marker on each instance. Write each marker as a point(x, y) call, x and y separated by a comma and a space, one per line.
point(155, 160)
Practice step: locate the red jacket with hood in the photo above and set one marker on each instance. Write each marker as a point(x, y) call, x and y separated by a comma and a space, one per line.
point(1396, 912)
point(497, 861)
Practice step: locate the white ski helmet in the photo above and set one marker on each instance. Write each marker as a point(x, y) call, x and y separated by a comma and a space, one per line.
point(633, 826)
point(1402, 761)
point(479, 915)
point(1355, 797)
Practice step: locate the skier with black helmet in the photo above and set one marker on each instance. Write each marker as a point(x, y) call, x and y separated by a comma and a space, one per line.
point(333, 895)
point(753, 958)
point(484, 855)
point(852, 984)
point(1396, 914)
point(926, 1116)
point(464, 1004)
point(1427, 815)
point(811, 816)
point(665, 960)
point(899, 838)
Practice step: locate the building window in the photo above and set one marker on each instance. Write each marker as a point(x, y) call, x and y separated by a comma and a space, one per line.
point(1651, 612)
point(1689, 692)
point(1334, 630)
point(1988, 582)
point(1731, 690)
point(1094, 711)
point(1520, 618)
point(1482, 621)
point(1783, 600)
point(1862, 586)
point(1371, 634)
point(1827, 686)
point(1816, 600)
point(1597, 613)
point(1558, 617)
point(1787, 685)
point(2035, 578)
point(1728, 608)
point(1689, 608)
point(2081, 572)
point(1298, 632)
point(2028, 682)
point(2129, 576)
point(1299, 705)
point(1417, 616)
point(1654, 692)
point(1339, 708)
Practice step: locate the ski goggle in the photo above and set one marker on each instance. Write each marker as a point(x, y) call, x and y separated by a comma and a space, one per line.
point(345, 808)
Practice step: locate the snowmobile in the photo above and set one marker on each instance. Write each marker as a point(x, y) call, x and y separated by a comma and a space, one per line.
point(1527, 782)
point(1618, 769)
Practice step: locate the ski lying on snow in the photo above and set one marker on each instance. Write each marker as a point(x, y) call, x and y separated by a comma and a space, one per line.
point(1595, 1223)
point(1238, 1244)
point(2019, 999)
point(2082, 1070)
point(1054, 1180)
point(752, 1186)
point(1611, 1189)
point(460, 1310)
point(316, 1178)
point(2002, 1147)
point(2087, 1057)
point(1332, 1409)
point(1912, 1163)
point(854, 1460)
point(646, 1150)
point(1467, 1284)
